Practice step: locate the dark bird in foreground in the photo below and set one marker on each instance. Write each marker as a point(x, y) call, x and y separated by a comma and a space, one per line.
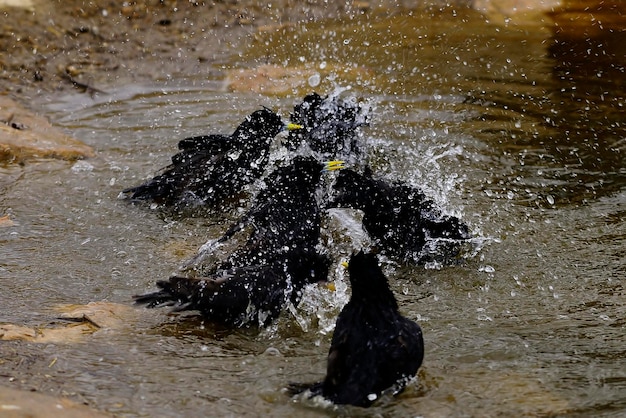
point(374, 348)
point(330, 126)
point(284, 216)
point(402, 221)
point(212, 169)
point(253, 295)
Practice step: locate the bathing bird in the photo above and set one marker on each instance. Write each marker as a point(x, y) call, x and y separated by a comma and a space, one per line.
point(401, 220)
point(284, 216)
point(247, 296)
point(272, 266)
point(329, 127)
point(210, 170)
point(374, 349)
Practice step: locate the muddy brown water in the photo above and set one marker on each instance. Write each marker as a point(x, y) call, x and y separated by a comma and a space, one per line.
point(522, 140)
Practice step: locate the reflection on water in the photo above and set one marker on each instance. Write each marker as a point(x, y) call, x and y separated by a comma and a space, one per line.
point(517, 130)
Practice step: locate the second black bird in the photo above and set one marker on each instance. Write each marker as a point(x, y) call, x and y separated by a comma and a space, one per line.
point(329, 127)
point(400, 218)
point(271, 267)
point(211, 169)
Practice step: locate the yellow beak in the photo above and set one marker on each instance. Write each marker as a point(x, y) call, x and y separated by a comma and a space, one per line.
point(293, 126)
point(334, 165)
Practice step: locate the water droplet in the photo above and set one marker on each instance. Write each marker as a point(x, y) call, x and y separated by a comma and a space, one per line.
point(314, 80)
point(487, 269)
point(272, 351)
point(82, 166)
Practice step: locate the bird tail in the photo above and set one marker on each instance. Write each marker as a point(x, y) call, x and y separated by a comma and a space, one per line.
point(177, 292)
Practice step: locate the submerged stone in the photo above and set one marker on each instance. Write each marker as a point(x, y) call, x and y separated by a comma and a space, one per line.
point(27, 136)
point(82, 321)
point(22, 403)
point(280, 80)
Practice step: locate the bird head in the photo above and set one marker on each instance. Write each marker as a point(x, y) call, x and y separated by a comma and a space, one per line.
point(368, 281)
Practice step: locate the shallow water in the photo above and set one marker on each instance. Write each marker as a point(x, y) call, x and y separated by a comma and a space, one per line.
point(522, 140)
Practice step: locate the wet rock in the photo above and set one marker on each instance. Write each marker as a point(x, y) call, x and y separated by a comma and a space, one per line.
point(26, 136)
point(519, 12)
point(267, 79)
point(101, 315)
point(81, 321)
point(26, 4)
point(73, 333)
point(6, 221)
point(275, 79)
point(20, 404)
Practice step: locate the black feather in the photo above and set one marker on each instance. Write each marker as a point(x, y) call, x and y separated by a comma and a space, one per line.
point(330, 127)
point(400, 218)
point(209, 170)
point(373, 348)
point(253, 295)
point(284, 216)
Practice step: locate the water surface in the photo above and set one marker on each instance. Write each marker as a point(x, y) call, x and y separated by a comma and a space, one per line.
point(523, 140)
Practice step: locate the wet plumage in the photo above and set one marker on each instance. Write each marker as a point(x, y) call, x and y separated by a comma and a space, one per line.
point(403, 222)
point(271, 267)
point(212, 169)
point(374, 348)
point(251, 295)
point(330, 127)
point(284, 216)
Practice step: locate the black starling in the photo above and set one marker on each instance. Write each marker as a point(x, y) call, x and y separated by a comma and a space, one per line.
point(374, 349)
point(252, 295)
point(330, 127)
point(284, 216)
point(209, 170)
point(403, 222)
point(270, 269)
